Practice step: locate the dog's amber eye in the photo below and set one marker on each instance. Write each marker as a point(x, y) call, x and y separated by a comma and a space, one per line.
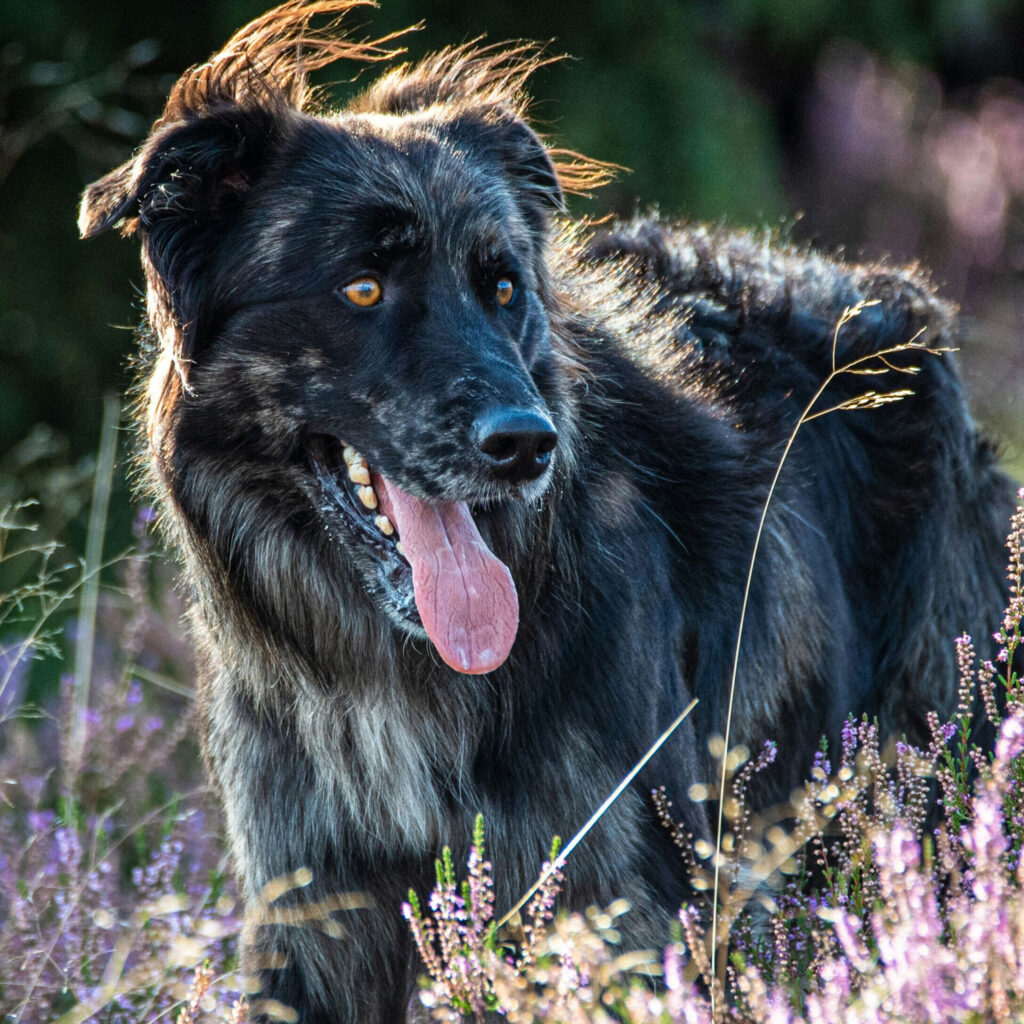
point(504, 291)
point(363, 291)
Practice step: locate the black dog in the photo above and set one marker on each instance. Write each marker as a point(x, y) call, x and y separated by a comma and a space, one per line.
point(467, 498)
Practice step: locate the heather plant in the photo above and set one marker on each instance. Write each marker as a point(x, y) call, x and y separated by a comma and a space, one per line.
point(850, 915)
point(115, 904)
point(112, 882)
point(27, 629)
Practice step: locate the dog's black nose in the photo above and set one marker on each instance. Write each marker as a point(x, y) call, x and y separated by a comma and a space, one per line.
point(517, 443)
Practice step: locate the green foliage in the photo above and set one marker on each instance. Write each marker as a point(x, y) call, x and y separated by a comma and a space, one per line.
point(414, 905)
point(445, 869)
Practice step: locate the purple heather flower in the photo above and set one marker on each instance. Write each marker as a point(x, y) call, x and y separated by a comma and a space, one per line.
point(849, 739)
point(40, 821)
point(1011, 738)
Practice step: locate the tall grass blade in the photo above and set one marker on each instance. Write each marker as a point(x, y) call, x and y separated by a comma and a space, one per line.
point(86, 639)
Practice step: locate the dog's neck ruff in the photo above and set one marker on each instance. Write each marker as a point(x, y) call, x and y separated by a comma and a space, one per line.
point(465, 595)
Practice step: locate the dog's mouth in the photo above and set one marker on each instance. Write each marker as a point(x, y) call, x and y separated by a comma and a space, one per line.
point(432, 563)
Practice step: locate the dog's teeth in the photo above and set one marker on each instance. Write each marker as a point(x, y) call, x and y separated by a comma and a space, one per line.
point(368, 496)
point(384, 525)
point(350, 455)
point(358, 472)
point(398, 546)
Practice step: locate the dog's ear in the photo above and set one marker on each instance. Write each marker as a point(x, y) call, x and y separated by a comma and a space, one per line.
point(194, 171)
point(220, 113)
point(527, 160)
point(181, 194)
point(106, 202)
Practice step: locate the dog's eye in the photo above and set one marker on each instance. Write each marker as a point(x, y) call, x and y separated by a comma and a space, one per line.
point(504, 291)
point(363, 291)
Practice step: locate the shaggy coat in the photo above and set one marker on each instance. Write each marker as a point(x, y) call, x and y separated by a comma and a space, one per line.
point(376, 327)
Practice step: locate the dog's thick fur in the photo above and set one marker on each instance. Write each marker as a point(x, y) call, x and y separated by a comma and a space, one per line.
point(673, 363)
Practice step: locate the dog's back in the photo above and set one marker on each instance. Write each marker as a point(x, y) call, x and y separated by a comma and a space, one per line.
point(897, 509)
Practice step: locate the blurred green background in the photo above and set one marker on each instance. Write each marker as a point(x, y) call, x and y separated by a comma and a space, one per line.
point(885, 128)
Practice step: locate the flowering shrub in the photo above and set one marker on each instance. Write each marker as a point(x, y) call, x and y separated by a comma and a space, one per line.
point(894, 928)
point(115, 907)
point(112, 882)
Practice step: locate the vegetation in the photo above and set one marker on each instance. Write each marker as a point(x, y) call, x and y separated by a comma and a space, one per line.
point(116, 904)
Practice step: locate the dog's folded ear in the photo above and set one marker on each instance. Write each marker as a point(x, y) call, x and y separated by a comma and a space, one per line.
point(220, 113)
point(193, 170)
point(527, 161)
point(107, 202)
point(523, 157)
point(181, 193)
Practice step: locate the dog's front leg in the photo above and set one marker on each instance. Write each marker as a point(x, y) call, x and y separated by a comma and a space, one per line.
point(353, 966)
point(324, 941)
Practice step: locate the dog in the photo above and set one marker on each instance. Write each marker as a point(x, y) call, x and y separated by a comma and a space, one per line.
point(466, 494)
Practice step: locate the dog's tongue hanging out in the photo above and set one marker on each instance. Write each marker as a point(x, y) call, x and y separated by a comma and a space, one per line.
point(465, 596)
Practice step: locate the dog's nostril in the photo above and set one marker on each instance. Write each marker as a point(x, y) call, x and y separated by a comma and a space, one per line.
point(547, 443)
point(500, 447)
point(517, 442)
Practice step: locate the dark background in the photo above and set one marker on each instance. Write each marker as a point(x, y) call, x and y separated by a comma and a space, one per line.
point(886, 128)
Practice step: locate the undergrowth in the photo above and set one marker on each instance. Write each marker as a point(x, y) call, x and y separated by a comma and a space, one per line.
point(897, 927)
point(116, 904)
point(113, 884)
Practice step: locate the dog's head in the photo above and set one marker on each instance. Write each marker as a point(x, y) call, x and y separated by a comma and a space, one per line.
point(359, 300)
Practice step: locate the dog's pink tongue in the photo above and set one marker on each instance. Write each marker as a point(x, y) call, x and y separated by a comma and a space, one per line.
point(465, 596)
